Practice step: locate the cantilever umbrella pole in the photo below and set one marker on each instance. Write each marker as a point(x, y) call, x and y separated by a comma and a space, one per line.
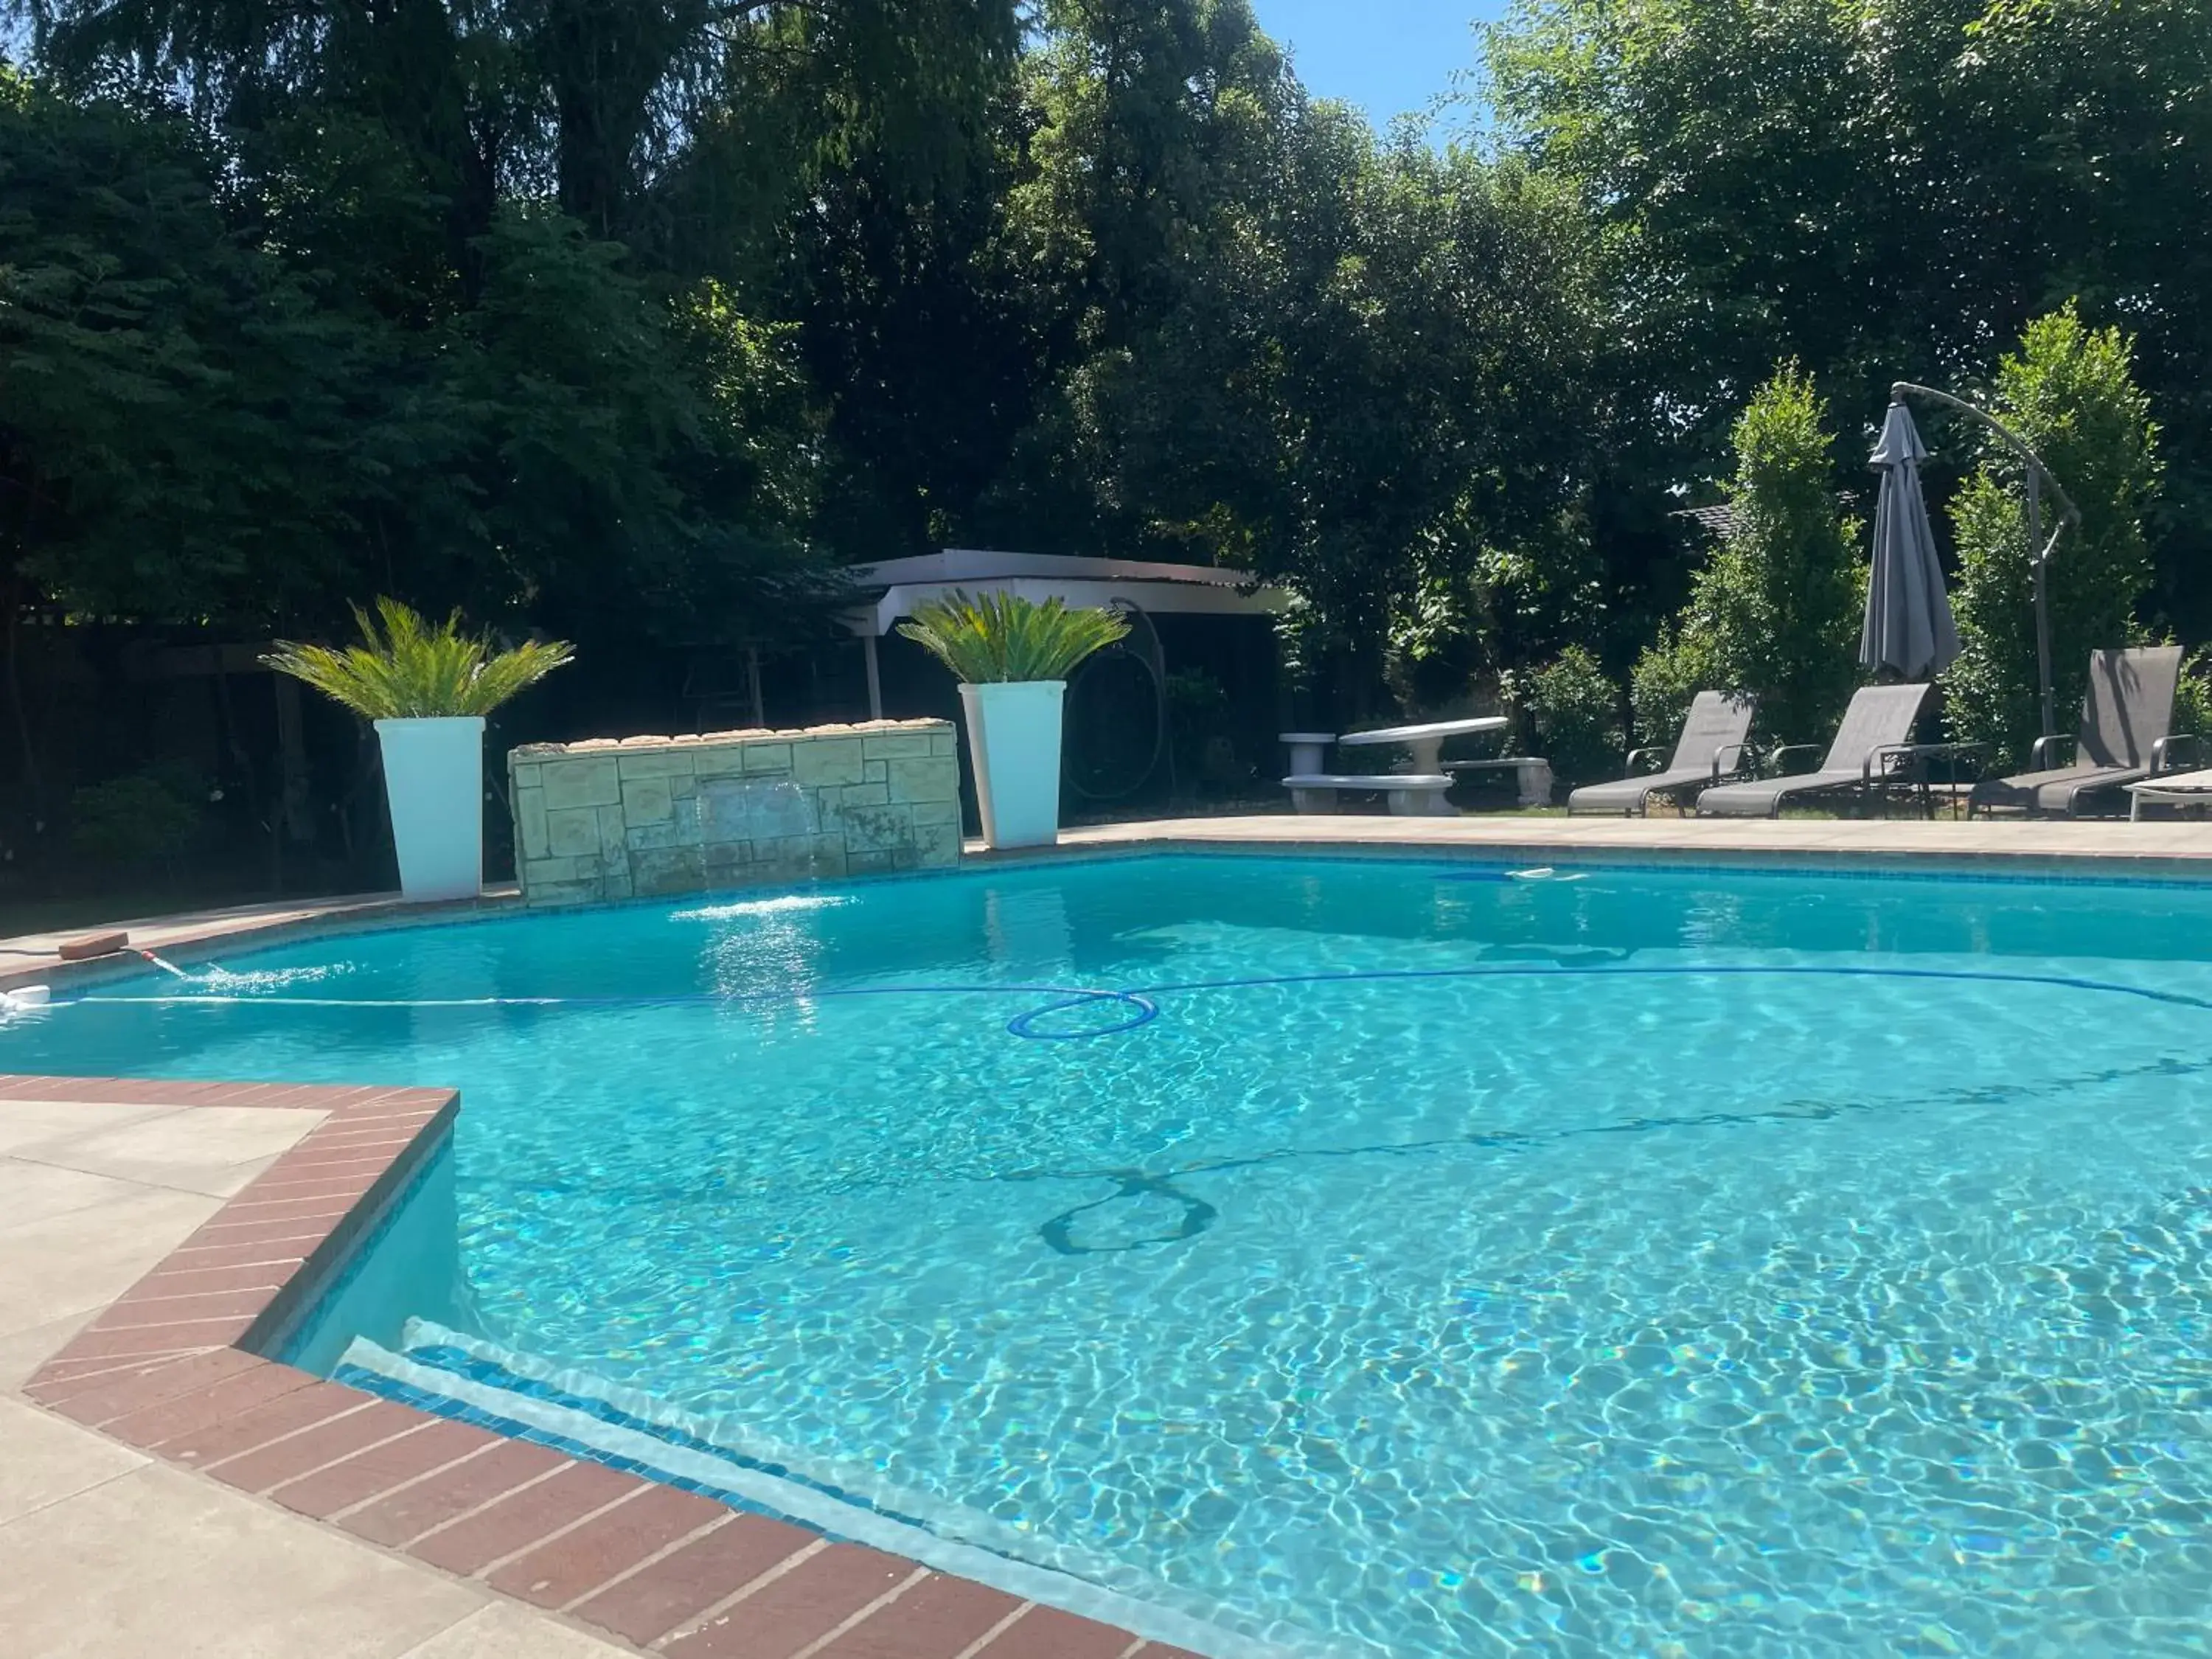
point(2069, 517)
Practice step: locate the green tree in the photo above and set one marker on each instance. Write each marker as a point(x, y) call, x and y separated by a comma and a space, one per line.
point(933, 341)
point(2096, 120)
point(1722, 143)
point(193, 427)
point(604, 426)
point(601, 108)
point(1351, 365)
point(1879, 189)
point(177, 435)
point(1775, 612)
point(551, 248)
point(2069, 391)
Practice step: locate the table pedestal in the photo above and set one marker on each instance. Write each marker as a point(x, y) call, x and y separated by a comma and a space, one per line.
point(1309, 752)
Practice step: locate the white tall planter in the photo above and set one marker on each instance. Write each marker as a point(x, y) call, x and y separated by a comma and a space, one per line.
point(1013, 735)
point(433, 779)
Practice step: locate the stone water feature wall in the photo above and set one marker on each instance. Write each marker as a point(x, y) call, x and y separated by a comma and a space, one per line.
point(650, 816)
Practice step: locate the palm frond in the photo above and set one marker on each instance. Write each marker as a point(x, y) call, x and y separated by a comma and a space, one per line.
point(406, 669)
point(997, 637)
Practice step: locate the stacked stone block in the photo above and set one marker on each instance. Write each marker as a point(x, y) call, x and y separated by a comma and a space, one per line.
point(645, 817)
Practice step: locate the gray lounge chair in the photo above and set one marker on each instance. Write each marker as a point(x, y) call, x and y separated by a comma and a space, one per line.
point(1711, 747)
point(1879, 723)
point(2125, 715)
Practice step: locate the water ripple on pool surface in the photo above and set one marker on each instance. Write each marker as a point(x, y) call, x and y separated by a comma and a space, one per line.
point(1597, 1306)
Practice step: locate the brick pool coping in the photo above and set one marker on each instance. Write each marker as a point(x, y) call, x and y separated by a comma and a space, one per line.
point(170, 1369)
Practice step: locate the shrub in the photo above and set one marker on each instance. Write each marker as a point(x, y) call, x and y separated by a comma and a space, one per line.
point(2192, 705)
point(1575, 709)
point(1776, 611)
point(2070, 393)
point(1667, 679)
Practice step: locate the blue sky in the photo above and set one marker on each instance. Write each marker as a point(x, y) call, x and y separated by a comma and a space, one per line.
point(1386, 56)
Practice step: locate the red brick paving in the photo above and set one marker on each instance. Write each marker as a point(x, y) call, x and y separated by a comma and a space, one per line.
point(97, 1401)
point(683, 1584)
point(1048, 1634)
point(263, 1234)
point(521, 1519)
point(434, 1442)
point(137, 1310)
point(452, 1493)
point(580, 1561)
point(796, 1607)
point(936, 1618)
point(272, 1267)
point(644, 1562)
point(101, 1342)
point(299, 1455)
point(202, 1407)
point(241, 1432)
point(349, 1180)
point(107, 1373)
point(328, 1206)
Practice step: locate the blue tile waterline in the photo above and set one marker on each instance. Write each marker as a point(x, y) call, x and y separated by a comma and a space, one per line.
point(1745, 1262)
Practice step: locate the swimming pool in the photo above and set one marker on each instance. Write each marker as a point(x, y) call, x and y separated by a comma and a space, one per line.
point(1379, 1257)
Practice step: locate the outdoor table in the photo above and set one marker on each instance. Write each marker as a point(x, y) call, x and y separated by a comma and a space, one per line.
point(1308, 749)
point(2173, 786)
point(1425, 742)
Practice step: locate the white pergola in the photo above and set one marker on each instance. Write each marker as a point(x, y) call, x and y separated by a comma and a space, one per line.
point(891, 590)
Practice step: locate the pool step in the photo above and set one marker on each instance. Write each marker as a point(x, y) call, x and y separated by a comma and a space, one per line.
point(457, 1375)
point(453, 1374)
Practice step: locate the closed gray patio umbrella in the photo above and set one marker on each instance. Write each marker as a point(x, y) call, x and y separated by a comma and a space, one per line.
point(1908, 615)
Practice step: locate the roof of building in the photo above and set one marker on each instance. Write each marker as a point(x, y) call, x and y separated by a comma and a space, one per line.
point(891, 588)
point(1718, 519)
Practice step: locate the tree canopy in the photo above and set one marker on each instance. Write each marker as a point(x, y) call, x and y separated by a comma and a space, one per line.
point(628, 318)
point(1888, 189)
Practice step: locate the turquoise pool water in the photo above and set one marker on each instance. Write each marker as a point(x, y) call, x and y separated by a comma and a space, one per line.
point(1416, 1261)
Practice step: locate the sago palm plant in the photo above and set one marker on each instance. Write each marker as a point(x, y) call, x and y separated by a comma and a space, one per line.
point(1000, 637)
point(410, 669)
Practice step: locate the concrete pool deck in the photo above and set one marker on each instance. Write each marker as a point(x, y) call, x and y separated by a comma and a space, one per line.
point(2092, 846)
point(164, 1493)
